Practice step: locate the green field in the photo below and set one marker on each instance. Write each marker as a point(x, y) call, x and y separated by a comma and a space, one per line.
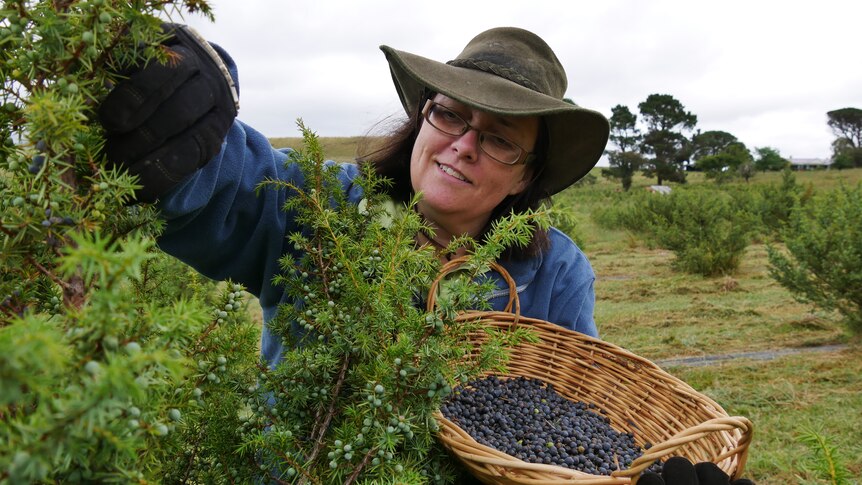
point(340, 149)
point(654, 311)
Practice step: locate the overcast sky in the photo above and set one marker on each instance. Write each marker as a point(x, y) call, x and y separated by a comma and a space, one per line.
point(764, 71)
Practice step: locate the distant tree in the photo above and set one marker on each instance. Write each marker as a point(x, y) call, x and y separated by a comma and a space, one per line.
point(846, 124)
point(768, 159)
point(666, 120)
point(623, 166)
point(710, 143)
point(746, 169)
point(624, 131)
point(733, 161)
point(625, 161)
point(714, 164)
point(845, 155)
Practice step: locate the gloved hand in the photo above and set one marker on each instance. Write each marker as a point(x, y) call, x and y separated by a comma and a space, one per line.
point(167, 120)
point(679, 471)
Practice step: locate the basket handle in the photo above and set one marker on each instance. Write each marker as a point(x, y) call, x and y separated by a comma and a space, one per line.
point(689, 435)
point(456, 263)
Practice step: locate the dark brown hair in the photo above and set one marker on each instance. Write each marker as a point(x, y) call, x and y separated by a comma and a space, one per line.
point(390, 155)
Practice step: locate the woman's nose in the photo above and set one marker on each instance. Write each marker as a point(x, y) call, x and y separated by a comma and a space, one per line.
point(467, 145)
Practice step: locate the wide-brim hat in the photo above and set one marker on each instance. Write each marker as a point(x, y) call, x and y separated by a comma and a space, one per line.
point(511, 72)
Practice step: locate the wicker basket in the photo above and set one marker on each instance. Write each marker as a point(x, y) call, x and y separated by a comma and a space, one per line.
point(637, 396)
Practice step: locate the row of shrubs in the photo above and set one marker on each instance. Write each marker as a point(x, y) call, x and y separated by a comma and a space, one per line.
point(814, 239)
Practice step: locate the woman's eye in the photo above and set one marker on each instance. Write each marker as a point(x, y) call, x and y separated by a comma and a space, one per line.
point(449, 116)
point(499, 142)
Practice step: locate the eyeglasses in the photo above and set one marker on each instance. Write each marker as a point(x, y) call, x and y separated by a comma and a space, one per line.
point(496, 146)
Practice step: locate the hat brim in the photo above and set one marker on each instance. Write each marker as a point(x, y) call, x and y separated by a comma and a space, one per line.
point(576, 136)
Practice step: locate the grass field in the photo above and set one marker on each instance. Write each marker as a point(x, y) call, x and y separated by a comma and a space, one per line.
point(340, 149)
point(654, 311)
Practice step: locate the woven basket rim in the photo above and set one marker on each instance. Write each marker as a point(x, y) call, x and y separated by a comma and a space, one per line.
point(725, 437)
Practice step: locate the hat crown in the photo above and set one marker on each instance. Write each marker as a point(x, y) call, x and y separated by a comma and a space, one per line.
point(517, 55)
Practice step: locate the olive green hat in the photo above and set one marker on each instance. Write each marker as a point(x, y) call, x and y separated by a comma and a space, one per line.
point(511, 72)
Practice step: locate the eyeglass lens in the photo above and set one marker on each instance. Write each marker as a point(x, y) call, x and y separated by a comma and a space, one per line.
point(451, 123)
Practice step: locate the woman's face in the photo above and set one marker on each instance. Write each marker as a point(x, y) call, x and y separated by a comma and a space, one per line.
point(460, 183)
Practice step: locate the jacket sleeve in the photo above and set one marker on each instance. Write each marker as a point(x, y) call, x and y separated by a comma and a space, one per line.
point(220, 225)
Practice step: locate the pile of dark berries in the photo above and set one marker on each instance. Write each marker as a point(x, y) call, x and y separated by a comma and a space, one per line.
point(527, 419)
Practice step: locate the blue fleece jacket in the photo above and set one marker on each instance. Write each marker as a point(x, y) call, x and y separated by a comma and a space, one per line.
point(218, 224)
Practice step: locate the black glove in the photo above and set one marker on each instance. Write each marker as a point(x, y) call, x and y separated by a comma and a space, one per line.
point(679, 471)
point(167, 120)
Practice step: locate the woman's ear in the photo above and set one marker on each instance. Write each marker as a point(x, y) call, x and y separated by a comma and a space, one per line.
point(530, 176)
point(522, 185)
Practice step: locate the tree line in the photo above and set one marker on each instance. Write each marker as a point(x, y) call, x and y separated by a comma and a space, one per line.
point(663, 143)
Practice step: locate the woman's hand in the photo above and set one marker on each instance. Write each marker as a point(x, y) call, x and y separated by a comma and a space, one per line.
point(167, 120)
point(679, 471)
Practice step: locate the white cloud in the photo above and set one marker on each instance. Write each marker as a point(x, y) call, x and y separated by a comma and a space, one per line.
point(765, 71)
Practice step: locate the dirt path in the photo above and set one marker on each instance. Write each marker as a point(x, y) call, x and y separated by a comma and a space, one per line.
point(705, 360)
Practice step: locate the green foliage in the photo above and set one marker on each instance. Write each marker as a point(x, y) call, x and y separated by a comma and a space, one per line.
point(823, 262)
point(667, 121)
point(768, 206)
point(746, 170)
point(625, 161)
point(566, 220)
point(711, 142)
point(623, 166)
point(364, 368)
point(119, 364)
point(826, 461)
point(845, 155)
point(663, 112)
point(670, 152)
point(54, 65)
point(623, 211)
point(768, 159)
point(847, 123)
point(731, 161)
point(112, 355)
point(774, 203)
point(707, 230)
point(110, 391)
point(624, 134)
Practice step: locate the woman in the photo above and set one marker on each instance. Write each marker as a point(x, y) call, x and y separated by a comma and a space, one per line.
point(486, 134)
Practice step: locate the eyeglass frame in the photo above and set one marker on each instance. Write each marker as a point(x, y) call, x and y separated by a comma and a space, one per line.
point(521, 160)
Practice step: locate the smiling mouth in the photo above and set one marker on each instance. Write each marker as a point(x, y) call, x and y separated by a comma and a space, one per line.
point(452, 172)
